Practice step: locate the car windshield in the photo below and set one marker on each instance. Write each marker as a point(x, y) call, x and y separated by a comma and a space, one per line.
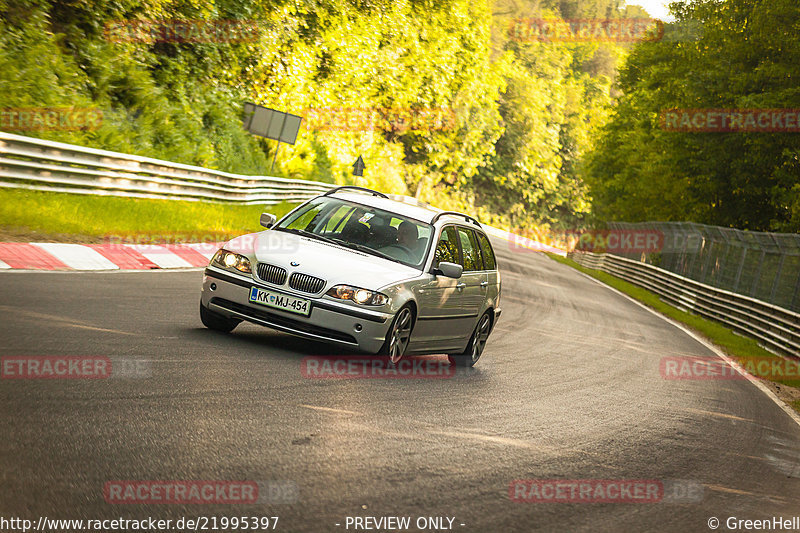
point(374, 231)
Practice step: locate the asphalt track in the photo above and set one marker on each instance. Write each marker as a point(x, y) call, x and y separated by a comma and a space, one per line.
point(569, 388)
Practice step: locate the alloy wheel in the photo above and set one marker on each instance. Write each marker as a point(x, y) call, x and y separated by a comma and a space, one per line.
point(401, 333)
point(480, 337)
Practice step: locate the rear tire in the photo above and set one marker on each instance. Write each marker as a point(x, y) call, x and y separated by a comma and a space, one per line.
point(399, 335)
point(476, 343)
point(212, 320)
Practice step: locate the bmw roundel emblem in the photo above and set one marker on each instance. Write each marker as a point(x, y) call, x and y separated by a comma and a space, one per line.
point(294, 263)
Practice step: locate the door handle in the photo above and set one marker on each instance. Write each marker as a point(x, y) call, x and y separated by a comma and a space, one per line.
point(484, 284)
point(461, 286)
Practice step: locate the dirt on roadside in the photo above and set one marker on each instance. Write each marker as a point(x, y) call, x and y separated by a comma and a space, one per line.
point(23, 234)
point(788, 394)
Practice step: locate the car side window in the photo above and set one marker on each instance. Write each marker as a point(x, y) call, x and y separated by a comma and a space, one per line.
point(446, 248)
point(489, 262)
point(470, 252)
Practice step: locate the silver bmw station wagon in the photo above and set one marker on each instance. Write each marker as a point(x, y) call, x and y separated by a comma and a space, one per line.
point(360, 269)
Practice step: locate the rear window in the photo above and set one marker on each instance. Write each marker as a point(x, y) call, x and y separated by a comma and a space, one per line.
point(489, 262)
point(470, 253)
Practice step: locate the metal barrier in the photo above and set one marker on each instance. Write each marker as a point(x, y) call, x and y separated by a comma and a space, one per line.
point(774, 327)
point(37, 164)
point(762, 265)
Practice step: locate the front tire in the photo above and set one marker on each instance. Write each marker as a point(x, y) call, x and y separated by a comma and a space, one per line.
point(476, 343)
point(399, 335)
point(212, 320)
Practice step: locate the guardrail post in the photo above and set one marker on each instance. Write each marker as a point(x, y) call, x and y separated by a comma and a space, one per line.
point(777, 279)
point(722, 264)
point(690, 270)
point(739, 271)
point(707, 263)
point(757, 277)
point(680, 260)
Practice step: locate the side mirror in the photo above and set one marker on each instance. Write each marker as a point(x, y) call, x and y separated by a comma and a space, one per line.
point(450, 270)
point(268, 220)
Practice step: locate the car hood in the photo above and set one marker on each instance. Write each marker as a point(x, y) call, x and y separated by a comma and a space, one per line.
point(333, 263)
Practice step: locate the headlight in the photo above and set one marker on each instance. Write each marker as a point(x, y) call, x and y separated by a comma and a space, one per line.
point(225, 259)
point(360, 296)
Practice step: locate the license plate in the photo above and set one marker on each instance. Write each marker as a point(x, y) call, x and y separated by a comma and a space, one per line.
point(281, 301)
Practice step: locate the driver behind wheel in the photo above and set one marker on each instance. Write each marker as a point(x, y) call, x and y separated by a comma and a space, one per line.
point(407, 235)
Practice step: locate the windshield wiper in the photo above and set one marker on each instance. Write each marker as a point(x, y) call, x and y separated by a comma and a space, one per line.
point(373, 251)
point(341, 242)
point(305, 233)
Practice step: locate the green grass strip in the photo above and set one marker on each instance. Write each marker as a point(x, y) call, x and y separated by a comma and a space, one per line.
point(34, 215)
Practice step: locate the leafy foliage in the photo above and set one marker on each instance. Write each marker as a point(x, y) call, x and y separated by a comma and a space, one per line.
point(745, 57)
point(524, 112)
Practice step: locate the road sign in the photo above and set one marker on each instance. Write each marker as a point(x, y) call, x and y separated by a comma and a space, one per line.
point(272, 124)
point(358, 167)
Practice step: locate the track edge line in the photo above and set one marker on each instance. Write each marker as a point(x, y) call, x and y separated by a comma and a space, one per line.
point(708, 344)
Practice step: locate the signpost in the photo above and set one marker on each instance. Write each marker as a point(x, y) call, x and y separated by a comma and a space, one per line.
point(358, 167)
point(272, 124)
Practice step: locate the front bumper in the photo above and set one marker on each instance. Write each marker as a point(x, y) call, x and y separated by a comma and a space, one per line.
point(329, 321)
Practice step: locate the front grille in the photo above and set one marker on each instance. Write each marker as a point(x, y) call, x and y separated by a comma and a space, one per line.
point(271, 273)
point(306, 283)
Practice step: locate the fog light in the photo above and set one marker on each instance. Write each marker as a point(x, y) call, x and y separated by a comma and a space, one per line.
point(358, 327)
point(213, 286)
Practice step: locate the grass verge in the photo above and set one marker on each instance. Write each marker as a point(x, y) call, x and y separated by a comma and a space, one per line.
point(34, 216)
point(743, 349)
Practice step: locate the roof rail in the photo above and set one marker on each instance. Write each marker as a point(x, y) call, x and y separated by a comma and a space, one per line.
point(353, 187)
point(456, 214)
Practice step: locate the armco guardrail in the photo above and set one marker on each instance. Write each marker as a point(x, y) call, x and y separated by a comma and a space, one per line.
point(774, 327)
point(762, 265)
point(37, 164)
